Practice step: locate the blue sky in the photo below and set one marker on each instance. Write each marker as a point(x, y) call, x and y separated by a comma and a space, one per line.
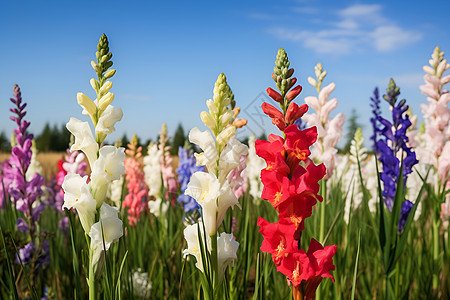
point(169, 54)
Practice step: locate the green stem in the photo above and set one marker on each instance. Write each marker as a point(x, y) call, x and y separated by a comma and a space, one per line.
point(436, 223)
point(323, 193)
point(91, 278)
point(215, 265)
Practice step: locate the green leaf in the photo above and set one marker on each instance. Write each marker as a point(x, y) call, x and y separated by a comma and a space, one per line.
point(355, 272)
point(11, 279)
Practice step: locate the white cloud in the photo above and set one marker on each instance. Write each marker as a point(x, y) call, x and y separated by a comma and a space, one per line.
point(388, 38)
point(358, 27)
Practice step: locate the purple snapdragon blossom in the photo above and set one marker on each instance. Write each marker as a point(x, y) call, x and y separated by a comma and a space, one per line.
point(391, 146)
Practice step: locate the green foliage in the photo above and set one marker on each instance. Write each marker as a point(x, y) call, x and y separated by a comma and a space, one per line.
point(53, 138)
point(179, 139)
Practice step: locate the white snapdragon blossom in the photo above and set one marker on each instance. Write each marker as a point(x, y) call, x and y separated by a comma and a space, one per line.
point(226, 247)
point(152, 171)
point(112, 230)
point(77, 195)
point(206, 142)
point(84, 140)
point(254, 166)
point(108, 167)
point(157, 209)
point(193, 245)
point(107, 120)
point(229, 157)
point(215, 200)
point(115, 191)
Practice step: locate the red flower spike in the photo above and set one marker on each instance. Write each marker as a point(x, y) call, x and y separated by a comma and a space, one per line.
point(274, 95)
point(276, 115)
point(295, 112)
point(294, 93)
point(278, 239)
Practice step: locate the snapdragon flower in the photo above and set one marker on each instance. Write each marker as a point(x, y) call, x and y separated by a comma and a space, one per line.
point(329, 130)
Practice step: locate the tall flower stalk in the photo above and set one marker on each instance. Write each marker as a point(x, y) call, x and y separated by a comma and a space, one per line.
point(291, 186)
point(435, 148)
point(100, 221)
point(397, 160)
point(211, 189)
point(26, 191)
point(137, 197)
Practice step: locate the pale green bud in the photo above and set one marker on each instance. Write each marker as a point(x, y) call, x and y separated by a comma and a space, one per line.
point(106, 87)
point(87, 104)
point(208, 120)
point(105, 101)
point(94, 66)
point(109, 73)
point(223, 138)
point(95, 84)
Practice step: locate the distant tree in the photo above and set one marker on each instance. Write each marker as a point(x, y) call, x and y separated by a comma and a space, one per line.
point(263, 137)
point(352, 126)
point(44, 139)
point(125, 140)
point(178, 139)
point(5, 145)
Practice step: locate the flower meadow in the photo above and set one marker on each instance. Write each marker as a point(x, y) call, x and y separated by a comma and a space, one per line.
point(288, 216)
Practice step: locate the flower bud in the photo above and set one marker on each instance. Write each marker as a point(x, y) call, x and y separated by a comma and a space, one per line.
point(295, 112)
point(274, 95)
point(312, 81)
point(293, 81)
point(94, 84)
point(106, 87)
point(208, 120)
point(105, 101)
point(226, 117)
point(94, 66)
point(294, 93)
point(110, 73)
point(290, 72)
point(87, 104)
point(239, 123)
point(274, 77)
point(223, 138)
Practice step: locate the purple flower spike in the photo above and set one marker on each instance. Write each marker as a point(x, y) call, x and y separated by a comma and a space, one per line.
point(24, 193)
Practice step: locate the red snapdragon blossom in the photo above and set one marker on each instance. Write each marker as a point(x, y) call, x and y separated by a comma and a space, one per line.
point(291, 185)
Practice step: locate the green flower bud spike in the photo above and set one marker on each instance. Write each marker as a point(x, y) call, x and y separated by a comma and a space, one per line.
point(393, 91)
point(282, 72)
